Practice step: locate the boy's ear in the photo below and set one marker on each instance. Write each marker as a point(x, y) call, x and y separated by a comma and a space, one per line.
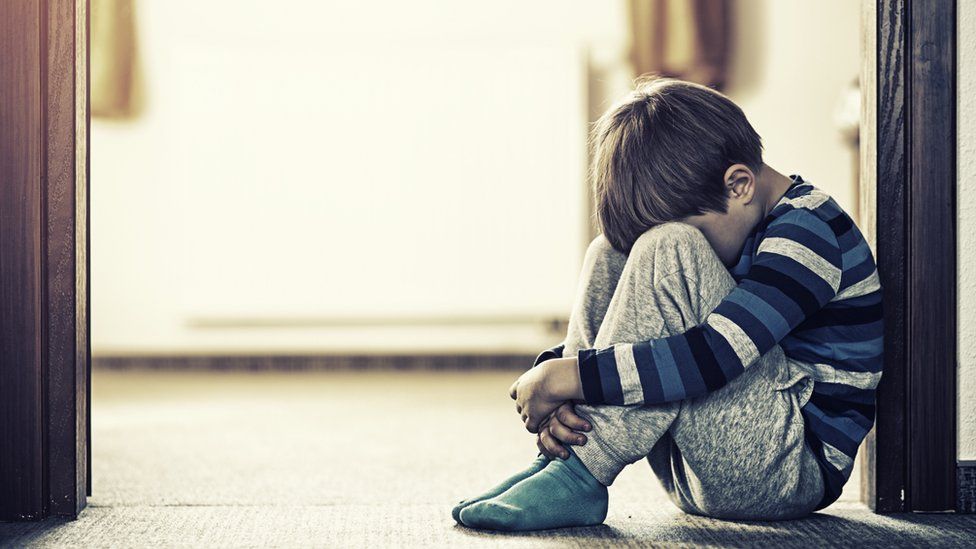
point(740, 183)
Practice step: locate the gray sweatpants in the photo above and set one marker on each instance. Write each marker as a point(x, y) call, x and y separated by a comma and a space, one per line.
point(735, 453)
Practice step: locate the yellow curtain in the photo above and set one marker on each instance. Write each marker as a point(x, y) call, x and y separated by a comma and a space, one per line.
point(687, 39)
point(114, 92)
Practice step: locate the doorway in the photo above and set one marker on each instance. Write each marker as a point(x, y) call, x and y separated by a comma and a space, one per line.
point(907, 182)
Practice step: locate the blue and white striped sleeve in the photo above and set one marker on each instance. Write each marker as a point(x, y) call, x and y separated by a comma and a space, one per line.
point(795, 272)
point(550, 353)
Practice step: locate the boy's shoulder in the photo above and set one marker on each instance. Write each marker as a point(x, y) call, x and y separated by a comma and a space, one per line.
point(808, 225)
point(812, 210)
point(805, 197)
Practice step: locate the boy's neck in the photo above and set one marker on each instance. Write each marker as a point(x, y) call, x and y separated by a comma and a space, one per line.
point(773, 185)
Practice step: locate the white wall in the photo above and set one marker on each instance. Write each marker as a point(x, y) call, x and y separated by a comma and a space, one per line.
point(308, 160)
point(966, 227)
point(792, 61)
point(205, 208)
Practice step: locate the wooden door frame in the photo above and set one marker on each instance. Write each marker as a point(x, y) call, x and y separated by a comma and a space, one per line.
point(909, 181)
point(45, 466)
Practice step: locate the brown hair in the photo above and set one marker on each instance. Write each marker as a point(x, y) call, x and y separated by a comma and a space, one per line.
point(661, 154)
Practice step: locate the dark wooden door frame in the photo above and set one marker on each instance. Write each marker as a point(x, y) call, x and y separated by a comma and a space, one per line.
point(45, 466)
point(910, 172)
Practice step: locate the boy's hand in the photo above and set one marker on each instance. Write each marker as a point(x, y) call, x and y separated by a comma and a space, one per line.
point(562, 426)
point(542, 389)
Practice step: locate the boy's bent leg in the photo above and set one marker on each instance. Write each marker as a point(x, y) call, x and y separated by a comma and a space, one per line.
point(598, 277)
point(659, 294)
point(740, 452)
point(513, 504)
point(737, 452)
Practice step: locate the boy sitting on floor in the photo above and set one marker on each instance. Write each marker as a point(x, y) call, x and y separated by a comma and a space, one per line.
point(727, 328)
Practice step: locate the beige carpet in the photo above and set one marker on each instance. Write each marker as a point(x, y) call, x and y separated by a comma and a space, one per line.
point(258, 459)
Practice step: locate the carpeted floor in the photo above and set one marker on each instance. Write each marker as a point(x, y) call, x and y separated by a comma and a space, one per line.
point(258, 459)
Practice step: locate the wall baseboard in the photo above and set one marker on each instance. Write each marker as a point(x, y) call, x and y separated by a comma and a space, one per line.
point(460, 362)
point(966, 486)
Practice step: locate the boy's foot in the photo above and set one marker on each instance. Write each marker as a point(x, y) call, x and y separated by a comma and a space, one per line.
point(563, 494)
point(537, 465)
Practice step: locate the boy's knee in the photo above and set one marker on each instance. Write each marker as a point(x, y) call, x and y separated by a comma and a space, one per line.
point(673, 233)
point(600, 247)
point(673, 244)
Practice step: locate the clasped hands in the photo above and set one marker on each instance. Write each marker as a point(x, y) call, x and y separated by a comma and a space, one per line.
point(544, 397)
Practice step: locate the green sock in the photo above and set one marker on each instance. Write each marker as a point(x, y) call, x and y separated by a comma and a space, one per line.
point(564, 493)
point(540, 461)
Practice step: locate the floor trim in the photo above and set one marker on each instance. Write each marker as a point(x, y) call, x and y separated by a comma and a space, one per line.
point(966, 486)
point(462, 362)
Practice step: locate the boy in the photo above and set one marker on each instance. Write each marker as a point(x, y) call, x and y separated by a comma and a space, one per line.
point(728, 328)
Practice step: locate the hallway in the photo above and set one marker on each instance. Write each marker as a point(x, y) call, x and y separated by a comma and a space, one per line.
point(357, 458)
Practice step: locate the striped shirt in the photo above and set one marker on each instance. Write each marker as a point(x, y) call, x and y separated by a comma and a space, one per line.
point(806, 280)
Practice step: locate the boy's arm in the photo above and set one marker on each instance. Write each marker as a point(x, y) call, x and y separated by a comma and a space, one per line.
point(796, 271)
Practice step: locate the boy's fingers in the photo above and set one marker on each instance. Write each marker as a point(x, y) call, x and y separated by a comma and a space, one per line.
point(565, 434)
point(532, 421)
point(567, 416)
point(552, 445)
point(542, 448)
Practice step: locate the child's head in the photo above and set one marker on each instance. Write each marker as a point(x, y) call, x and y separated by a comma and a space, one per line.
point(676, 151)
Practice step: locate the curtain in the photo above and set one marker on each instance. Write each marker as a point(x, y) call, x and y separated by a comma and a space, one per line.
point(113, 59)
point(687, 39)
